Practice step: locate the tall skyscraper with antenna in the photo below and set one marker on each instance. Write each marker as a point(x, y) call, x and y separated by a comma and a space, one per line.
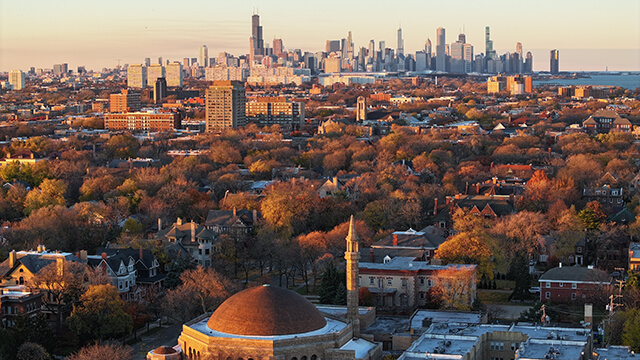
point(256, 42)
point(400, 43)
point(554, 61)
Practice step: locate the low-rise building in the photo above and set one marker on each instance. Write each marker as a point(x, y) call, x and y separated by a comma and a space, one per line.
point(238, 224)
point(267, 111)
point(634, 256)
point(198, 241)
point(143, 121)
point(606, 195)
point(402, 283)
point(604, 120)
point(18, 300)
point(119, 268)
point(420, 245)
point(574, 283)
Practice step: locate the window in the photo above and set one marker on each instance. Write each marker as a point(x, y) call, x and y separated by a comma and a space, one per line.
point(429, 282)
point(404, 283)
point(548, 284)
point(421, 281)
point(372, 281)
point(561, 284)
point(547, 295)
point(573, 296)
point(389, 281)
point(574, 285)
point(514, 346)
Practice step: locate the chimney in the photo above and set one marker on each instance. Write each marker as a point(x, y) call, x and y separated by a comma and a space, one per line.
point(13, 258)
point(141, 254)
point(179, 221)
point(159, 224)
point(104, 256)
point(235, 212)
point(560, 265)
point(512, 199)
point(395, 239)
point(495, 180)
point(83, 255)
point(588, 315)
point(477, 188)
point(60, 265)
point(193, 231)
point(255, 216)
point(371, 257)
point(466, 188)
point(435, 206)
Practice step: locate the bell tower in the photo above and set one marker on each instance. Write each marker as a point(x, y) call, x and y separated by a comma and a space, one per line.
point(352, 257)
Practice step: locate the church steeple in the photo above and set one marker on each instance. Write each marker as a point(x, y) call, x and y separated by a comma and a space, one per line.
point(352, 257)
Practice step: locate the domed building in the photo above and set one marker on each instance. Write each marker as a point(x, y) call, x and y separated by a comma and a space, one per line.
point(273, 323)
point(269, 323)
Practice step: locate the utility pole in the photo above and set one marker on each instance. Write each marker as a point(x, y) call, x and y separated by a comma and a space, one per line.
point(613, 303)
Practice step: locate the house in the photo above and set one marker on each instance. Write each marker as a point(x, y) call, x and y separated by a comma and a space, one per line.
point(421, 245)
point(495, 186)
point(609, 197)
point(402, 283)
point(148, 277)
point(513, 170)
point(574, 283)
point(120, 268)
point(238, 224)
point(23, 157)
point(605, 120)
point(338, 185)
point(22, 266)
point(18, 300)
point(490, 207)
point(634, 256)
point(198, 241)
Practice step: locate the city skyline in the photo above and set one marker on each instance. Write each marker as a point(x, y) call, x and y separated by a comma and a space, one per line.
point(87, 34)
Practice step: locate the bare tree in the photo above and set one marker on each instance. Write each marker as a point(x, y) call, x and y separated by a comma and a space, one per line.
point(104, 351)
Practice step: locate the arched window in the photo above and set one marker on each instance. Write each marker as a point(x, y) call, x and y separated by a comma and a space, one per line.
point(303, 358)
point(294, 358)
point(314, 357)
point(21, 280)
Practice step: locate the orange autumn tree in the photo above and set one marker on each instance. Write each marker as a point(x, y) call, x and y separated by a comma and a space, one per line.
point(468, 248)
point(456, 287)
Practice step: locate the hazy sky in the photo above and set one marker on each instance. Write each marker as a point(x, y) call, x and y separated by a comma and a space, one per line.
point(40, 33)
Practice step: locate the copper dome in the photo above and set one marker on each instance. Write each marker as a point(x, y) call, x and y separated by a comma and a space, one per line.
point(266, 311)
point(164, 350)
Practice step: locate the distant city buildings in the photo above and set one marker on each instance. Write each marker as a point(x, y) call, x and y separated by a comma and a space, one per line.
point(174, 74)
point(267, 111)
point(126, 101)
point(225, 105)
point(204, 56)
point(142, 121)
point(515, 85)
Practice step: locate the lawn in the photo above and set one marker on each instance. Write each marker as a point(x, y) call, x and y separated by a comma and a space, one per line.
point(493, 297)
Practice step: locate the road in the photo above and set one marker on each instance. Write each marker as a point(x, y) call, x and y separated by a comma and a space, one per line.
point(166, 336)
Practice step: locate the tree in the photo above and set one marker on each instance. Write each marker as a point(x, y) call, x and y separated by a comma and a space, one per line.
point(202, 290)
point(32, 351)
point(333, 288)
point(50, 192)
point(104, 351)
point(62, 285)
point(454, 286)
point(468, 248)
point(287, 206)
point(631, 330)
point(522, 232)
point(101, 314)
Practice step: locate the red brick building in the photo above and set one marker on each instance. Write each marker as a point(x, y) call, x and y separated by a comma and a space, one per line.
point(143, 121)
point(17, 300)
point(574, 283)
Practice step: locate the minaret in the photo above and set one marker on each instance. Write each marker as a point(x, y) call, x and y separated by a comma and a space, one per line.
point(352, 257)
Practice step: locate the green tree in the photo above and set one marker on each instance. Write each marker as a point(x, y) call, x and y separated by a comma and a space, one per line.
point(631, 329)
point(101, 314)
point(333, 288)
point(50, 192)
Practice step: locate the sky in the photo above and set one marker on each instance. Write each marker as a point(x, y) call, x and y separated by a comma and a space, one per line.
point(590, 34)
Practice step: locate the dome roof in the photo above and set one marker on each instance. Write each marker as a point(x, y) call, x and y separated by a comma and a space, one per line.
point(266, 311)
point(164, 350)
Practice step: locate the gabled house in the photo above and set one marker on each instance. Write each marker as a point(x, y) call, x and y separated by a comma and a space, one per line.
point(605, 120)
point(337, 185)
point(200, 242)
point(147, 269)
point(120, 268)
point(574, 283)
point(238, 224)
point(421, 245)
point(489, 207)
point(609, 197)
point(22, 266)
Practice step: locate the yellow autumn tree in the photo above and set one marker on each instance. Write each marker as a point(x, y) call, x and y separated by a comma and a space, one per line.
point(468, 248)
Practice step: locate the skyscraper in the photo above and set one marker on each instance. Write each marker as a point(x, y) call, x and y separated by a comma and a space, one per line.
point(16, 79)
point(528, 63)
point(400, 43)
point(441, 56)
point(488, 43)
point(278, 47)
point(137, 76)
point(256, 41)
point(154, 71)
point(174, 74)
point(349, 52)
point(520, 60)
point(428, 51)
point(225, 104)
point(204, 56)
point(332, 46)
point(554, 62)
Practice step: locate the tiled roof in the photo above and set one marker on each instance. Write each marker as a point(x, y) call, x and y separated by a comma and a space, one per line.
point(575, 274)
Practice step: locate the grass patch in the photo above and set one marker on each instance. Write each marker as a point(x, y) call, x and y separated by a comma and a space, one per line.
point(493, 297)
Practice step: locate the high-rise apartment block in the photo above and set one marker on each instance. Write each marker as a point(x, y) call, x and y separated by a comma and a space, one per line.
point(159, 90)
point(126, 101)
point(278, 47)
point(332, 46)
point(17, 79)
point(225, 104)
point(60, 69)
point(554, 61)
point(154, 71)
point(515, 85)
point(174, 74)
point(267, 111)
point(137, 76)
